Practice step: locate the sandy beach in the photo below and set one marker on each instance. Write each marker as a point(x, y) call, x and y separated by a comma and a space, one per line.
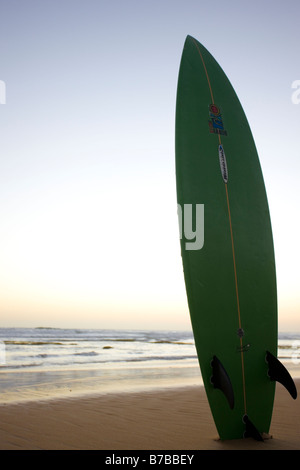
point(168, 419)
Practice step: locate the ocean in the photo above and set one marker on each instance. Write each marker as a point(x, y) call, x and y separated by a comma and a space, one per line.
point(38, 363)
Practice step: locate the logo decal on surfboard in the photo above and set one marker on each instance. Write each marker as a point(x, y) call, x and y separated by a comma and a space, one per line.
point(223, 164)
point(215, 122)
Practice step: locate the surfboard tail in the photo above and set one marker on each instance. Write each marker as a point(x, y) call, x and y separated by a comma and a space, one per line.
point(277, 372)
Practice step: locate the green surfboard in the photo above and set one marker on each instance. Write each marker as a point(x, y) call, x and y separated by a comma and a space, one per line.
point(230, 270)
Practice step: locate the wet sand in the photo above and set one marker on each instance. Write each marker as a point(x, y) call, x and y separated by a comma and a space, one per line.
point(167, 419)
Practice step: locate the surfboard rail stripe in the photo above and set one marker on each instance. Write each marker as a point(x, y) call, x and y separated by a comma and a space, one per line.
point(232, 241)
point(206, 73)
point(237, 299)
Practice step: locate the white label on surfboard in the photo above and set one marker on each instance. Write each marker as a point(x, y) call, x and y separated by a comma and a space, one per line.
point(223, 164)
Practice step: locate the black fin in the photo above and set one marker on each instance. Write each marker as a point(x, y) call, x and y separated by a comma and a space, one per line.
point(220, 379)
point(278, 372)
point(251, 430)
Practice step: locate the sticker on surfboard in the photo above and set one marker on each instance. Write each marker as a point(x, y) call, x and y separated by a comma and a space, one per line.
point(223, 164)
point(215, 122)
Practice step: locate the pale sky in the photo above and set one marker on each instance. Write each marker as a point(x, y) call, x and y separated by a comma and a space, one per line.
point(88, 223)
